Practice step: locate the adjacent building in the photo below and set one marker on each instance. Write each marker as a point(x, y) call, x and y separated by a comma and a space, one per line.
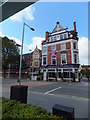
point(60, 54)
point(36, 64)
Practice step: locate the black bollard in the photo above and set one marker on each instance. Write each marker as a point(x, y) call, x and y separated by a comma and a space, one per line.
point(19, 93)
point(65, 111)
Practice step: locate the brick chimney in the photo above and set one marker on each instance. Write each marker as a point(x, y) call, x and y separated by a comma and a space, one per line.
point(74, 26)
point(47, 35)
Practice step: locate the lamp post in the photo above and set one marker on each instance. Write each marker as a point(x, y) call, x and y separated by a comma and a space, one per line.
point(9, 71)
point(22, 51)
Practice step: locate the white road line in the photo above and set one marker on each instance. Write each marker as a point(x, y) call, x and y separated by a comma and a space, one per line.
point(52, 90)
point(62, 95)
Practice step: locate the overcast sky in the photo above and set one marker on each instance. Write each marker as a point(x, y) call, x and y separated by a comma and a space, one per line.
point(43, 17)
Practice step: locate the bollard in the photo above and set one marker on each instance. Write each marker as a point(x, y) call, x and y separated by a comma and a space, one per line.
point(65, 111)
point(19, 93)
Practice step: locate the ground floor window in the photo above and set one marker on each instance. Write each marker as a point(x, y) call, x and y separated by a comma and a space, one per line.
point(59, 74)
point(51, 75)
point(65, 75)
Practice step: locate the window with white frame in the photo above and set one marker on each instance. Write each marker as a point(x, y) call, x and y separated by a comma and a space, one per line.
point(44, 60)
point(50, 39)
point(75, 58)
point(58, 37)
point(63, 58)
point(53, 47)
point(61, 37)
point(54, 60)
point(63, 46)
point(74, 45)
point(35, 63)
point(44, 50)
point(54, 38)
point(65, 36)
point(36, 56)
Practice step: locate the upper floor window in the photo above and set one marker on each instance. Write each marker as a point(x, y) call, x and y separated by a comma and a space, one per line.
point(65, 36)
point(61, 37)
point(75, 58)
point(44, 50)
point(54, 38)
point(74, 45)
point(54, 60)
point(35, 63)
point(36, 56)
point(53, 47)
point(58, 37)
point(63, 58)
point(44, 60)
point(51, 38)
point(63, 46)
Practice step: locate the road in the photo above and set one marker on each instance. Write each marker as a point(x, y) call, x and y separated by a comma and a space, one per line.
point(47, 94)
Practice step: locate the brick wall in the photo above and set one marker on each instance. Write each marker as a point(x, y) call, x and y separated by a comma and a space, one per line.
point(58, 54)
point(49, 55)
point(68, 45)
point(69, 60)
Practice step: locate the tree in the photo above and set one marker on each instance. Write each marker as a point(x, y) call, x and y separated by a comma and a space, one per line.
point(10, 53)
point(83, 72)
point(87, 72)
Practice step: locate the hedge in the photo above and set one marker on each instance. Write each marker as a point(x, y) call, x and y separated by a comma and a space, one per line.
point(12, 109)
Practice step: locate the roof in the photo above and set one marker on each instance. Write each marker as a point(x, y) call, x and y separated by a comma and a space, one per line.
point(58, 28)
point(37, 49)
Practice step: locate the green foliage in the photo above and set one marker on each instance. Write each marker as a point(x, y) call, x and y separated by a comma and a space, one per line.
point(12, 109)
point(3, 100)
point(10, 52)
point(85, 72)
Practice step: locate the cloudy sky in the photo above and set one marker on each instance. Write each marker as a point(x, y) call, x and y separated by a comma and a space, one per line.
point(42, 16)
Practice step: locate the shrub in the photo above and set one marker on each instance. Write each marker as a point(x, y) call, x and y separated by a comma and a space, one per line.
point(12, 109)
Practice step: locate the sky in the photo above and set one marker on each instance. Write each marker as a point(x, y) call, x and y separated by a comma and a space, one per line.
point(42, 16)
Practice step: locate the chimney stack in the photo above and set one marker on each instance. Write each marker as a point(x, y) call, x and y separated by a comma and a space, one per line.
point(74, 26)
point(47, 35)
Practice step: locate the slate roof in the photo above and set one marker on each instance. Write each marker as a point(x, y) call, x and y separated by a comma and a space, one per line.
point(58, 28)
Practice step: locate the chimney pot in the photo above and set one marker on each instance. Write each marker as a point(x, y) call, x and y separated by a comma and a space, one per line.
point(74, 26)
point(47, 35)
point(57, 22)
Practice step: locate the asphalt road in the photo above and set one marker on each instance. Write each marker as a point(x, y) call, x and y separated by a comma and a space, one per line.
point(73, 89)
point(63, 93)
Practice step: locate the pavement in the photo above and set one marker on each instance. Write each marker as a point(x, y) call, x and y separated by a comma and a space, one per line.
point(47, 94)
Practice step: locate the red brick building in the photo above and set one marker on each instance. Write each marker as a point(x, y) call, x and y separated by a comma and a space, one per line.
point(60, 54)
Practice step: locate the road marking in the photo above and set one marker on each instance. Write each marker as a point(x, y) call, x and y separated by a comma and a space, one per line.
point(62, 95)
point(52, 90)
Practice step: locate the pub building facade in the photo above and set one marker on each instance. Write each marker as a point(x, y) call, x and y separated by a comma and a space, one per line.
point(60, 55)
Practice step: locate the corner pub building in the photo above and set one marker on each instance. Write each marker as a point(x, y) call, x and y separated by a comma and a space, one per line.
point(60, 55)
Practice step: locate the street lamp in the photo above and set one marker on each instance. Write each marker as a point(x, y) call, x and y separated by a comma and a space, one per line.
point(22, 50)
